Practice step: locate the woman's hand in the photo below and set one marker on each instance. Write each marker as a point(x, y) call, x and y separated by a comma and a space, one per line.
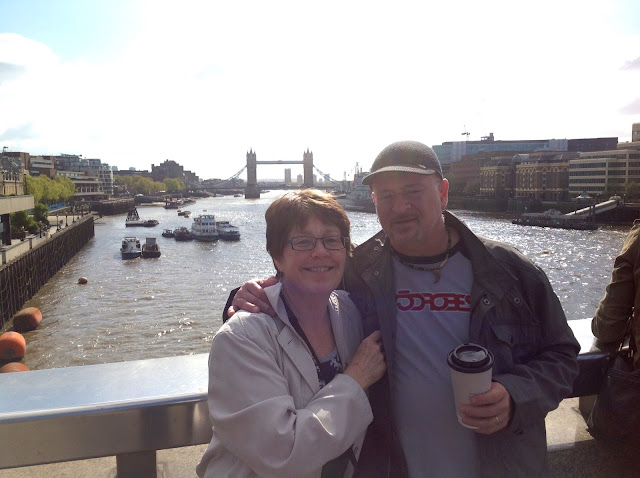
point(367, 365)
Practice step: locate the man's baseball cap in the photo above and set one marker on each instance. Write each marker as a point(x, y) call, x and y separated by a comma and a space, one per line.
point(405, 157)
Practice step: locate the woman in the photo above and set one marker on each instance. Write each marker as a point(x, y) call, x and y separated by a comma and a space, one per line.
point(619, 308)
point(287, 393)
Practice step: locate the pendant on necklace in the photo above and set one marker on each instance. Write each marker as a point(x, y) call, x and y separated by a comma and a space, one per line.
point(436, 276)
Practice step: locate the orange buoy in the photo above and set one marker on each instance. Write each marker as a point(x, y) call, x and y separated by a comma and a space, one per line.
point(12, 346)
point(14, 367)
point(27, 319)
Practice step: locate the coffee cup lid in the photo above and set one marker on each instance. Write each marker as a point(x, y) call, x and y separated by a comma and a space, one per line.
point(470, 358)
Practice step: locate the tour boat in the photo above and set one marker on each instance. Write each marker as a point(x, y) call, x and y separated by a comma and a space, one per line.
point(150, 249)
point(228, 232)
point(130, 248)
point(167, 233)
point(204, 227)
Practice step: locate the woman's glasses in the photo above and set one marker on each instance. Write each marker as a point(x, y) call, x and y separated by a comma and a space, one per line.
point(331, 243)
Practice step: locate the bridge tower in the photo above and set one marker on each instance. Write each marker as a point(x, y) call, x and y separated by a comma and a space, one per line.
point(252, 191)
point(307, 168)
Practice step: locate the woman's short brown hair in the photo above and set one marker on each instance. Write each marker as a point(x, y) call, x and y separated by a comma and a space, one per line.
point(294, 209)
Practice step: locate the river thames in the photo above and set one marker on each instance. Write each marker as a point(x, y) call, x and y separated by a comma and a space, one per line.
point(149, 308)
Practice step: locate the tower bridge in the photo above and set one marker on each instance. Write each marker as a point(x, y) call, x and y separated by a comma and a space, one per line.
point(252, 189)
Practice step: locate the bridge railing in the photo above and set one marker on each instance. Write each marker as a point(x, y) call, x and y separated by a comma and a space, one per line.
point(131, 409)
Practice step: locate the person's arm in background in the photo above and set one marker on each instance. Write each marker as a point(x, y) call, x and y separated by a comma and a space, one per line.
point(612, 315)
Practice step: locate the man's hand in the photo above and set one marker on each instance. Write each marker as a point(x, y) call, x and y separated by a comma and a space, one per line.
point(251, 297)
point(367, 365)
point(489, 411)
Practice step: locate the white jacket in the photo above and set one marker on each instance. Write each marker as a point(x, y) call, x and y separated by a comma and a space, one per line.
point(270, 418)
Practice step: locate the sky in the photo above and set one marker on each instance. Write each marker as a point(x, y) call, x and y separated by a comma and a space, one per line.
point(136, 82)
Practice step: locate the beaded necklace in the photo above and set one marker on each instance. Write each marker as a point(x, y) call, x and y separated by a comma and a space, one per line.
point(436, 269)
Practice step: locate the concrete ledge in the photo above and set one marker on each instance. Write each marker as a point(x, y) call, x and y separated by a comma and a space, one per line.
point(9, 204)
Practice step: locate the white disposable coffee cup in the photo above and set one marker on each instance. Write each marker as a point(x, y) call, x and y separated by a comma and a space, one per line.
point(470, 366)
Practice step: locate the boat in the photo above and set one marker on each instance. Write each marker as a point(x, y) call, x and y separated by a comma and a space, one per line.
point(134, 220)
point(130, 248)
point(228, 232)
point(204, 227)
point(172, 204)
point(358, 198)
point(237, 195)
point(182, 234)
point(184, 213)
point(167, 233)
point(555, 219)
point(150, 249)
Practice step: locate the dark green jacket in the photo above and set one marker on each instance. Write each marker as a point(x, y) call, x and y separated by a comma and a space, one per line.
point(515, 314)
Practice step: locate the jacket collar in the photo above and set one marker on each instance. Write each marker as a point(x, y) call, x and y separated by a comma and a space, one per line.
point(489, 274)
point(295, 347)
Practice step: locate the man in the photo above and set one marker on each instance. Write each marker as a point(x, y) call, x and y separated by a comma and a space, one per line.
point(429, 284)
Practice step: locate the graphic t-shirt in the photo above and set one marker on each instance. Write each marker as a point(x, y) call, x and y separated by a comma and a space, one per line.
point(432, 319)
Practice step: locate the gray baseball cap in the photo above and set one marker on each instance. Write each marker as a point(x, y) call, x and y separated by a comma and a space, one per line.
point(405, 157)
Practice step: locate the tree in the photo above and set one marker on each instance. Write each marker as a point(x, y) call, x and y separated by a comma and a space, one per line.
point(143, 186)
point(34, 188)
point(50, 192)
point(66, 187)
point(40, 213)
point(126, 181)
point(157, 187)
point(20, 223)
point(173, 185)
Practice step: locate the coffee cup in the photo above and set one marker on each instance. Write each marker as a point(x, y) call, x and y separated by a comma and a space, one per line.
point(470, 366)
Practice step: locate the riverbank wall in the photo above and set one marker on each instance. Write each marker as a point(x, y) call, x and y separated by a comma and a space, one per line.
point(21, 278)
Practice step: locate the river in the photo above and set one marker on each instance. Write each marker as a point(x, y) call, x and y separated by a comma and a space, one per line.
point(149, 308)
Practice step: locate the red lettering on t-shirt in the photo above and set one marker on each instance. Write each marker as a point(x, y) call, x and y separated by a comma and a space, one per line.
point(449, 301)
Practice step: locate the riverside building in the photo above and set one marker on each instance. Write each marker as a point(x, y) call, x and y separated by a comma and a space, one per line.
point(607, 172)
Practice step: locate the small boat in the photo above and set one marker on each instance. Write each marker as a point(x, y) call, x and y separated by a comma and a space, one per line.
point(182, 234)
point(555, 219)
point(150, 249)
point(134, 220)
point(204, 227)
point(228, 232)
point(130, 248)
point(184, 213)
point(237, 195)
point(167, 233)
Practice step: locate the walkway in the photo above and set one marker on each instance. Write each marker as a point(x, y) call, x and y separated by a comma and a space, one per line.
point(17, 248)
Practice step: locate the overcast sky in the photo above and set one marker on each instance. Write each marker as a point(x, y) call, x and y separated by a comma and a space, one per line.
point(135, 82)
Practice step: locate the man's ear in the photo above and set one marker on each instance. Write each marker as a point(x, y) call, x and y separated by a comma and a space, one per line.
point(444, 193)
